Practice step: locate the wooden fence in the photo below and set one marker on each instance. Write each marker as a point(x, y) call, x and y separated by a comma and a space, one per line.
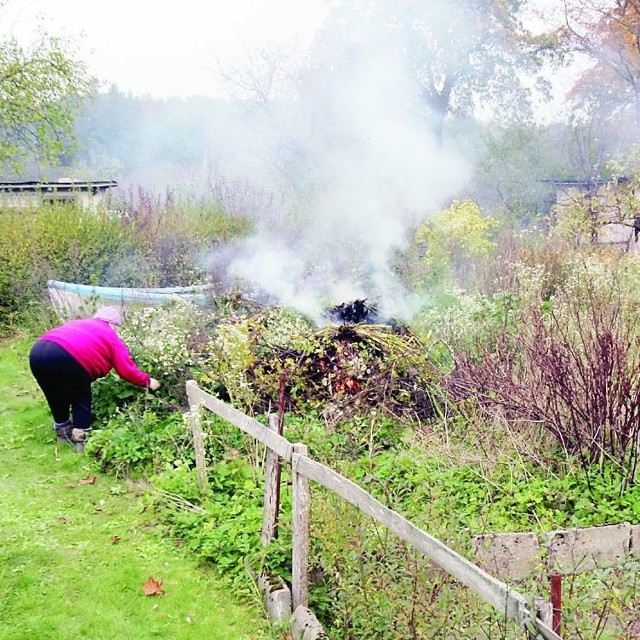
point(532, 614)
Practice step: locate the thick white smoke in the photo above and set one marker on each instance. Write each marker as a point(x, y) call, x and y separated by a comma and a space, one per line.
point(355, 157)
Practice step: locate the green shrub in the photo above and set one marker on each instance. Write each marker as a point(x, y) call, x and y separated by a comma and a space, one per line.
point(507, 496)
point(61, 242)
point(133, 442)
point(137, 247)
point(171, 343)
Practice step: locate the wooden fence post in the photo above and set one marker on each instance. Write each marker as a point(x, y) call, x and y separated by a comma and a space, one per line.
point(271, 504)
point(195, 419)
point(301, 508)
point(544, 611)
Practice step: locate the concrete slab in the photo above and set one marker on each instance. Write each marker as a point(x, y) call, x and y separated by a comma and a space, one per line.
point(276, 597)
point(577, 550)
point(634, 543)
point(305, 625)
point(507, 556)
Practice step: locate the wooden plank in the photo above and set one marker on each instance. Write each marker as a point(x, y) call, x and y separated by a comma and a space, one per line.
point(300, 537)
point(271, 502)
point(544, 619)
point(486, 586)
point(276, 597)
point(195, 420)
point(544, 611)
point(542, 630)
point(250, 426)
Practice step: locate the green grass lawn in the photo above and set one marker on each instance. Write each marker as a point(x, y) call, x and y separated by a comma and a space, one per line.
point(76, 551)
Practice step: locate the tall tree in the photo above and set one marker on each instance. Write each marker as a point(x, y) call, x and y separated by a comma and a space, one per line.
point(608, 32)
point(41, 88)
point(464, 55)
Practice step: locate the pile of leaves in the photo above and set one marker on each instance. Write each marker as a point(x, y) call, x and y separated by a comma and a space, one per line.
point(340, 371)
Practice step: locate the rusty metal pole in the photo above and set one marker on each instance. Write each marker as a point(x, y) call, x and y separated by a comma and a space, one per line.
point(556, 601)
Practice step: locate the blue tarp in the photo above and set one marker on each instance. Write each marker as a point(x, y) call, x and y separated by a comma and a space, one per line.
point(199, 294)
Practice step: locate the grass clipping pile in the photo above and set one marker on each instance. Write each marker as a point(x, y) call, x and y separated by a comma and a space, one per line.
point(339, 370)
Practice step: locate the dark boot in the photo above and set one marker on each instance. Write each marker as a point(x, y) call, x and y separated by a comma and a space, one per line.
point(78, 439)
point(63, 432)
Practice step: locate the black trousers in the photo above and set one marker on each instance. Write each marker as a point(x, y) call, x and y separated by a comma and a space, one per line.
point(64, 381)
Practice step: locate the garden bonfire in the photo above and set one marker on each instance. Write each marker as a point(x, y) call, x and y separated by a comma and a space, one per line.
point(341, 370)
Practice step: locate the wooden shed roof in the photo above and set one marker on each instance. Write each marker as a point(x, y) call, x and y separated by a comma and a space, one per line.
point(35, 186)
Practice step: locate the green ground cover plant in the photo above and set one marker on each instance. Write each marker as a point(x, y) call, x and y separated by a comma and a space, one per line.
point(79, 546)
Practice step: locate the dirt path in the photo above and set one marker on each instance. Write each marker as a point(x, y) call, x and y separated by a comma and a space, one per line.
point(78, 547)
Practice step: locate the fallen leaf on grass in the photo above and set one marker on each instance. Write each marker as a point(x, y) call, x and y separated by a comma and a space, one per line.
point(88, 480)
point(70, 485)
point(115, 539)
point(63, 520)
point(153, 587)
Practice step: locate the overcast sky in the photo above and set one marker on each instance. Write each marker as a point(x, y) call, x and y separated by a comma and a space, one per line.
point(166, 48)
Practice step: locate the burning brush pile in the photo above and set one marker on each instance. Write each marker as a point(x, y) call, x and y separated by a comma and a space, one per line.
point(340, 370)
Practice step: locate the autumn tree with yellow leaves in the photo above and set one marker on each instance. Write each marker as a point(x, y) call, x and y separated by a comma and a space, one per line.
point(608, 33)
point(454, 238)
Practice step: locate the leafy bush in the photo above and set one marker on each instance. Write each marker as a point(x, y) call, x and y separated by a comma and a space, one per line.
point(455, 239)
point(363, 436)
point(111, 394)
point(170, 342)
point(507, 496)
point(60, 242)
point(134, 442)
point(139, 246)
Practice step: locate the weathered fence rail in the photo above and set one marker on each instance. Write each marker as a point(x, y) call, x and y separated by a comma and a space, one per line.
point(533, 615)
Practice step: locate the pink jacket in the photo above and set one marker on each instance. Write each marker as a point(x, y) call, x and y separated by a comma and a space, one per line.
point(98, 348)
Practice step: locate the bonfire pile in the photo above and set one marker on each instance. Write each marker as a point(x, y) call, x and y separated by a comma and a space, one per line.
point(341, 370)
